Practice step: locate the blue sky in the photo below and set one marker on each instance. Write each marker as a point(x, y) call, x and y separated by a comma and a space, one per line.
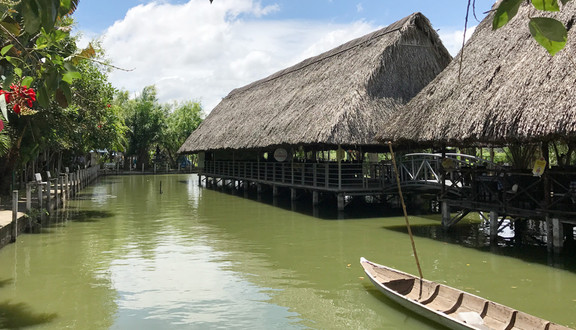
point(194, 50)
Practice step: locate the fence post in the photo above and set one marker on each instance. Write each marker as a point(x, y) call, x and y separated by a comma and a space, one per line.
point(15, 213)
point(57, 185)
point(48, 195)
point(28, 197)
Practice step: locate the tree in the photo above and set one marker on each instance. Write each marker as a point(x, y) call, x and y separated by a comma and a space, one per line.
point(181, 121)
point(144, 119)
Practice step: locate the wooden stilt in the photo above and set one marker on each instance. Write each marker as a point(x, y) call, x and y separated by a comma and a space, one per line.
point(493, 225)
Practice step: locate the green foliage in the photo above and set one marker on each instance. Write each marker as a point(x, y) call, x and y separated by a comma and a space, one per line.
point(36, 47)
point(144, 118)
point(505, 12)
point(546, 5)
point(181, 120)
point(548, 32)
point(155, 127)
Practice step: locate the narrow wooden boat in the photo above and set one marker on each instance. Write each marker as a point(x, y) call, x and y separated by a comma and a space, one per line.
point(451, 307)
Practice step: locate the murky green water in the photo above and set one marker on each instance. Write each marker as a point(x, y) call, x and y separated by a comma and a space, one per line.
point(125, 256)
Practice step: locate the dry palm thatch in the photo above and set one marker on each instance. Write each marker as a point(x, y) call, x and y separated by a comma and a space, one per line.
point(341, 97)
point(510, 91)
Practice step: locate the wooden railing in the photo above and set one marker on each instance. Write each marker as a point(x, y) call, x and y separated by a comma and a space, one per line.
point(328, 175)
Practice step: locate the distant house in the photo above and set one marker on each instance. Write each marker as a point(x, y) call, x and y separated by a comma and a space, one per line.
point(310, 126)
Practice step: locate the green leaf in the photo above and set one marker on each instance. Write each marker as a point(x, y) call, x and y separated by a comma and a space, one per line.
point(5, 49)
point(549, 33)
point(31, 15)
point(43, 97)
point(3, 106)
point(11, 25)
point(48, 13)
point(27, 81)
point(505, 12)
point(70, 76)
point(547, 5)
point(18, 72)
point(42, 42)
point(64, 7)
point(9, 80)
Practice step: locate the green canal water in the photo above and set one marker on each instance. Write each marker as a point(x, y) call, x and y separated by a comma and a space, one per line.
point(125, 256)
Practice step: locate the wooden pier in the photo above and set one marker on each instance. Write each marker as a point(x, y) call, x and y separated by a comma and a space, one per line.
point(338, 178)
point(42, 195)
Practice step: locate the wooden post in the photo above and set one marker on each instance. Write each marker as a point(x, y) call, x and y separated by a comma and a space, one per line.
point(445, 210)
point(314, 175)
point(67, 188)
point(274, 191)
point(15, 213)
point(40, 197)
point(326, 173)
point(340, 198)
point(57, 185)
point(493, 225)
point(48, 195)
point(28, 197)
point(315, 199)
point(558, 235)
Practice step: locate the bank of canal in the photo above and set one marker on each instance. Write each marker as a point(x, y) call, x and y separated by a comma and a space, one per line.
point(125, 256)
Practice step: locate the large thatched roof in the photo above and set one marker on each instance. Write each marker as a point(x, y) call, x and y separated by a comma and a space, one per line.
point(342, 96)
point(510, 91)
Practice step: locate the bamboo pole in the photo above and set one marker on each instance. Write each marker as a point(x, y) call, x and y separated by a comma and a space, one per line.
point(404, 209)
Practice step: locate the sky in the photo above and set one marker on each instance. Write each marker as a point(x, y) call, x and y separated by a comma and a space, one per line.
point(192, 50)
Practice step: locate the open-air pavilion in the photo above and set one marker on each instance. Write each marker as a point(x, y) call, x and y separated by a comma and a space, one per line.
point(312, 126)
point(504, 89)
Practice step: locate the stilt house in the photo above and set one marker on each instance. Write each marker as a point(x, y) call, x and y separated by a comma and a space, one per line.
point(504, 89)
point(312, 126)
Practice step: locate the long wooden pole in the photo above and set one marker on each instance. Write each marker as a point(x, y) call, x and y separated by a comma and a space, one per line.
point(404, 209)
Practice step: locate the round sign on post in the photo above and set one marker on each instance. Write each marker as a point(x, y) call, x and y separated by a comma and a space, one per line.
point(280, 154)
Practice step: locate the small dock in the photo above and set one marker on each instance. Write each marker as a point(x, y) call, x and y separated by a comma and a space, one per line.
point(42, 195)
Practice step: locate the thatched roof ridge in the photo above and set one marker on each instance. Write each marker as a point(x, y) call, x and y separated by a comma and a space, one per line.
point(510, 91)
point(342, 96)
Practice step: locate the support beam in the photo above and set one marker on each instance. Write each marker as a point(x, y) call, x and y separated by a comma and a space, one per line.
point(293, 194)
point(554, 235)
point(445, 210)
point(315, 198)
point(275, 191)
point(493, 225)
point(340, 198)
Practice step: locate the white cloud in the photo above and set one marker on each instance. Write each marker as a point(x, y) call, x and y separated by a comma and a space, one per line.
point(452, 39)
point(198, 51)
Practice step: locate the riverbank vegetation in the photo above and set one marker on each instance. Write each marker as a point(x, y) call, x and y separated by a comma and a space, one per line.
point(59, 108)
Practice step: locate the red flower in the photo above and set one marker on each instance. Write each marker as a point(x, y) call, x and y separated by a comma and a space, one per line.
point(1, 125)
point(17, 108)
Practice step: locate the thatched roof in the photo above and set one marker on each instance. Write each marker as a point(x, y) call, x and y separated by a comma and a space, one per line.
point(510, 91)
point(342, 96)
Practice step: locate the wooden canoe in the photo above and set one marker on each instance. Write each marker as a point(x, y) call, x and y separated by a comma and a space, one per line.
point(448, 306)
